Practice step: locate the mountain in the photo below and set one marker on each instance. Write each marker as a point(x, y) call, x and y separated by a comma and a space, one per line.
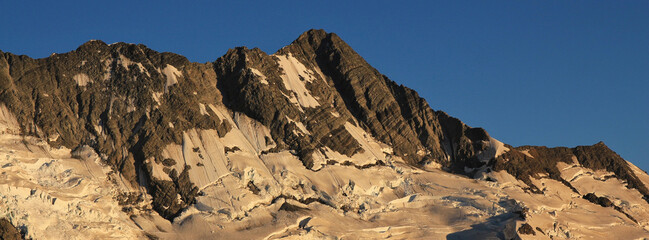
point(122, 141)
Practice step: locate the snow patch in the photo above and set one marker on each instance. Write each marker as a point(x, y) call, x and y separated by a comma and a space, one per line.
point(8, 122)
point(527, 153)
point(372, 150)
point(107, 69)
point(131, 105)
point(495, 149)
point(261, 76)
point(299, 125)
point(499, 146)
point(255, 132)
point(124, 61)
point(172, 76)
point(156, 97)
point(127, 63)
point(294, 77)
point(203, 109)
point(82, 79)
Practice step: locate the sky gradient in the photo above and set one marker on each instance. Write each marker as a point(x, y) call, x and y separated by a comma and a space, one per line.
point(553, 73)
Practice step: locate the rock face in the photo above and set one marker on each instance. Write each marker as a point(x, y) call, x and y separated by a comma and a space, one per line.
point(117, 99)
point(526, 229)
point(8, 231)
point(339, 87)
point(288, 137)
point(527, 162)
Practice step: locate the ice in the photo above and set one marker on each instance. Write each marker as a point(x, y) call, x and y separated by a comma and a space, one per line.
point(58, 197)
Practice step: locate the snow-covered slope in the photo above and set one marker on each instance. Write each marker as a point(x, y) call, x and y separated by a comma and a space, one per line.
point(55, 194)
point(249, 194)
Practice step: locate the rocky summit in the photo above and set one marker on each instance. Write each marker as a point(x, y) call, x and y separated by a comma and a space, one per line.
point(120, 141)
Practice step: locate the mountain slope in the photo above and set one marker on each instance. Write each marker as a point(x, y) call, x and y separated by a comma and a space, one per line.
point(311, 138)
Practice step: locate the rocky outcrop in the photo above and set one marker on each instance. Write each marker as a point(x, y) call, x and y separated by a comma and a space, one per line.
point(526, 229)
point(602, 201)
point(392, 113)
point(294, 125)
point(8, 231)
point(530, 161)
point(124, 100)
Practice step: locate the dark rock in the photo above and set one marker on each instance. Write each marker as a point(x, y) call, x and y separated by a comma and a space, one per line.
point(130, 198)
point(165, 202)
point(526, 229)
point(173, 196)
point(602, 201)
point(253, 188)
point(8, 231)
point(168, 162)
point(605, 202)
point(591, 197)
point(231, 149)
point(523, 213)
point(290, 207)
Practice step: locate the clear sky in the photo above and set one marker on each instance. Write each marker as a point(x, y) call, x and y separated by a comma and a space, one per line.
point(555, 73)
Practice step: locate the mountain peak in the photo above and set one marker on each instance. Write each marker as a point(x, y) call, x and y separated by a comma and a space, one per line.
point(92, 42)
point(92, 45)
point(314, 130)
point(316, 42)
point(317, 36)
point(313, 34)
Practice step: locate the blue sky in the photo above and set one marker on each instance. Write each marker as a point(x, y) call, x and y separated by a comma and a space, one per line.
point(555, 73)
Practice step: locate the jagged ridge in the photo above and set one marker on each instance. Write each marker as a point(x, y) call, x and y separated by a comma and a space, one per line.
point(128, 102)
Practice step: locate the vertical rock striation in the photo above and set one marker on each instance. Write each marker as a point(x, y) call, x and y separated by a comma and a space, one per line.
point(317, 96)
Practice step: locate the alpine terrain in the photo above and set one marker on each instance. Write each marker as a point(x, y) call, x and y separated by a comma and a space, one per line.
point(118, 141)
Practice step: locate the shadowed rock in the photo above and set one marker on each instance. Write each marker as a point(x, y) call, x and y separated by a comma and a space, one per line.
point(8, 231)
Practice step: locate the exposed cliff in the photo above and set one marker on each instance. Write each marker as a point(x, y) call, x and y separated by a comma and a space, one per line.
point(218, 138)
